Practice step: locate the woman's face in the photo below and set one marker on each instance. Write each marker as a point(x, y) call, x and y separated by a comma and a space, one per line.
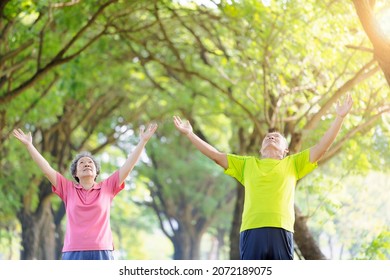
point(85, 168)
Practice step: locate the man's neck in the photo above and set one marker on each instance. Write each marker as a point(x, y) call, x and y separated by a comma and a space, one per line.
point(274, 154)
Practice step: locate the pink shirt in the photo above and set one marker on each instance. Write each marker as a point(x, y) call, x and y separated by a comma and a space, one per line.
point(88, 213)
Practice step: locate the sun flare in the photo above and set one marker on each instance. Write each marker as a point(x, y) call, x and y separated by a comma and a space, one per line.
point(384, 21)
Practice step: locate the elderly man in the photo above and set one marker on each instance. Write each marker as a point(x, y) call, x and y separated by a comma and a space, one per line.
point(268, 217)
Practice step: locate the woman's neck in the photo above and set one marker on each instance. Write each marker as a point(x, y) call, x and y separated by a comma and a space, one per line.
point(87, 183)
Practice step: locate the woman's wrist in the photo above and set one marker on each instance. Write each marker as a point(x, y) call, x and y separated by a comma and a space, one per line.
point(340, 117)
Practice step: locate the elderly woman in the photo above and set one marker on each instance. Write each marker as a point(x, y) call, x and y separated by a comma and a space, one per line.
point(88, 232)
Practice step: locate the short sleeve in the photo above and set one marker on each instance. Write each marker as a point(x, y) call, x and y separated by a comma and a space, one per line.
point(303, 166)
point(236, 165)
point(62, 184)
point(112, 183)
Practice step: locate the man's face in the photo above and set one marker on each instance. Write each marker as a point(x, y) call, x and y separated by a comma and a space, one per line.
point(274, 141)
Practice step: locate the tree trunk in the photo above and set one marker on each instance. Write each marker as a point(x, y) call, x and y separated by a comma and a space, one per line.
point(221, 242)
point(180, 247)
point(59, 233)
point(186, 245)
point(195, 247)
point(364, 10)
point(38, 238)
point(237, 218)
point(304, 239)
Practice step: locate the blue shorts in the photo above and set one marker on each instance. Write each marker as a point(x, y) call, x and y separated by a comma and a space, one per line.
point(266, 244)
point(88, 255)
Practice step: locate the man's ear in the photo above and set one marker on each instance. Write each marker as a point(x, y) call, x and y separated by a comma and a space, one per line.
point(286, 151)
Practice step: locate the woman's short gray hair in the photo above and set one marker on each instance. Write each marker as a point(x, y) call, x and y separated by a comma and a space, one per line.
point(73, 166)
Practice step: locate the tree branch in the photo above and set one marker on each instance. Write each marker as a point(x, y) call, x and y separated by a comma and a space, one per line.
point(336, 148)
point(58, 59)
point(361, 75)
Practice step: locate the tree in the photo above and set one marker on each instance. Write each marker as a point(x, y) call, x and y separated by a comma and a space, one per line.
point(34, 51)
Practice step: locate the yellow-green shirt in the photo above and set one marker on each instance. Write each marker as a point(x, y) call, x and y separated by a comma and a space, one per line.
point(269, 188)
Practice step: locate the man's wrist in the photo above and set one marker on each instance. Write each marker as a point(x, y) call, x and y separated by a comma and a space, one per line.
point(143, 141)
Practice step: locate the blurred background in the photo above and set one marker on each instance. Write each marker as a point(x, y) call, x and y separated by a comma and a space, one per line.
point(86, 75)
